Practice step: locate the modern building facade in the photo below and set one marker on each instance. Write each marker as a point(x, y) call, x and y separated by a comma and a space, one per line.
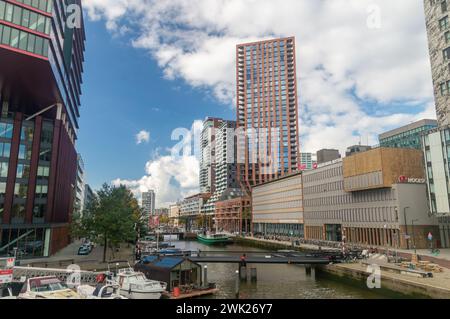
point(277, 207)
point(41, 66)
point(436, 148)
point(221, 171)
point(174, 214)
point(191, 209)
point(408, 136)
point(374, 198)
point(355, 149)
point(307, 161)
point(79, 187)
point(438, 28)
point(208, 154)
point(233, 215)
point(89, 196)
point(267, 110)
point(148, 203)
point(327, 155)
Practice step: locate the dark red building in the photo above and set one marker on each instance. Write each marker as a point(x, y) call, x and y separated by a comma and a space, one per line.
point(41, 63)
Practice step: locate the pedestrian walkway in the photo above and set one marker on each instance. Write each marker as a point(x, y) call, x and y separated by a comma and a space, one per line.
point(442, 259)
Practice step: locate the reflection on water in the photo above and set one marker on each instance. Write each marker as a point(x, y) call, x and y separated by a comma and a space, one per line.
point(280, 281)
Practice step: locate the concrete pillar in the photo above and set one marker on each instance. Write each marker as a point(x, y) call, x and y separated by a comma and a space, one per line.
point(253, 274)
point(308, 270)
point(243, 273)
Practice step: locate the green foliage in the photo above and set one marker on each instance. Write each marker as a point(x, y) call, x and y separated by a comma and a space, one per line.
point(113, 217)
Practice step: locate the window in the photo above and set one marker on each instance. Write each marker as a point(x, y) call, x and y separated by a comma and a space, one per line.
point(444, 23)
point(2, 9)
point(5, 149)
point(446, 54)
point(2, 189)
point(20, 190)
point(444, 6)
point(18, 212)
point(23, 171)
point(41, 191)
point(4, 169)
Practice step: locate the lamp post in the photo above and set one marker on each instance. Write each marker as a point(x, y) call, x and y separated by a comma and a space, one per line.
point(406, 227)
point(414, 235)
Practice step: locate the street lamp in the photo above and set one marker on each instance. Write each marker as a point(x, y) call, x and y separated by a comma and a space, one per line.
point(414, 235)
point(406, 227)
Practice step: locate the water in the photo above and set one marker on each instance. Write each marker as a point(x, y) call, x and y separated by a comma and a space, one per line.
point(281, 281)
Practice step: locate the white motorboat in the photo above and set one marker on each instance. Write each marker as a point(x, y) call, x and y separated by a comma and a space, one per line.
point(100, 292)
point(134, 285)
point(49, 287)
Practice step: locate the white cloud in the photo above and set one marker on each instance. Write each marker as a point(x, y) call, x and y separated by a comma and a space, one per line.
point(173, 176)
point(142, 137)
point(343, 66)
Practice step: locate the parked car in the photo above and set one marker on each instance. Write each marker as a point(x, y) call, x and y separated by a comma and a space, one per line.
point(83, 250)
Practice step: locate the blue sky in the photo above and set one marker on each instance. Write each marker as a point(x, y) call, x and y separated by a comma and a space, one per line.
point(156, 65)
point(123, 93)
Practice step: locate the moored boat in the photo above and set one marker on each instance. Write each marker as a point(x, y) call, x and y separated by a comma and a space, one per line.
point(134, 285)
point(211, 239)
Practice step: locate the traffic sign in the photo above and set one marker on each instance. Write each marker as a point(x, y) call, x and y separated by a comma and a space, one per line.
point(6, 276)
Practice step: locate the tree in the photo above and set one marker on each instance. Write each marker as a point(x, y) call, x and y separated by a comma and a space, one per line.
point(113, 217)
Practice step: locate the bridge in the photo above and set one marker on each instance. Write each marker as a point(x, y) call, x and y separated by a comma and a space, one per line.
point(264, 257)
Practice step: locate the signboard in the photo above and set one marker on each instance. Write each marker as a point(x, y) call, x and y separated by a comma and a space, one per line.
point(6, 270)
point(408, 180)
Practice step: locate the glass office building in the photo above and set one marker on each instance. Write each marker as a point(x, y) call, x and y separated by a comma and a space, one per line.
point(408, 136)
point(41, 57)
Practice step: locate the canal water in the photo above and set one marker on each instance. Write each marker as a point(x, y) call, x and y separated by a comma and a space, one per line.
point(282, 281)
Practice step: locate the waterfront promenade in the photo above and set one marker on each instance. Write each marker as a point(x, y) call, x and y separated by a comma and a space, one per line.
point(437, 287)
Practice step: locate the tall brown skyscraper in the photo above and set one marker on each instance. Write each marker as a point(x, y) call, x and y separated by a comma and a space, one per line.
point(267, 109)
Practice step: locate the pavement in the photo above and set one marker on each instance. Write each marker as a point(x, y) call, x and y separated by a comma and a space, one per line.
point(436, 287)
point(69, 255)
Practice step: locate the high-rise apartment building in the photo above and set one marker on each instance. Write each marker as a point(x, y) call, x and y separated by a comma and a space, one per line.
point(267, 110)
point(41, 65)
point(148, 203)
point(208, 154)
point(437, 16)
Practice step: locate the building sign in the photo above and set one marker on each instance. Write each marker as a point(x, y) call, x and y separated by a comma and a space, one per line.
point(6, 270)
point(408, 180)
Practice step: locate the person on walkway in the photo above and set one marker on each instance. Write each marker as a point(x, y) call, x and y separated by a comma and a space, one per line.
point(243, 260)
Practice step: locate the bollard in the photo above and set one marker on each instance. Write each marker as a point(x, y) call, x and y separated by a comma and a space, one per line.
point(243, 273)
point(253, 274)
point(236, 286)
point(205, 276)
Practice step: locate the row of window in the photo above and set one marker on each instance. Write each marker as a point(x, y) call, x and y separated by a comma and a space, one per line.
point(25, 18)
point(371, 214)
point(445, 88)
point(23, 40)
point(43, 5)
point(21, 190)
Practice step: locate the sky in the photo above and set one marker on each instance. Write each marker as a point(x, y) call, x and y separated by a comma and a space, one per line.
point(152, 66)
